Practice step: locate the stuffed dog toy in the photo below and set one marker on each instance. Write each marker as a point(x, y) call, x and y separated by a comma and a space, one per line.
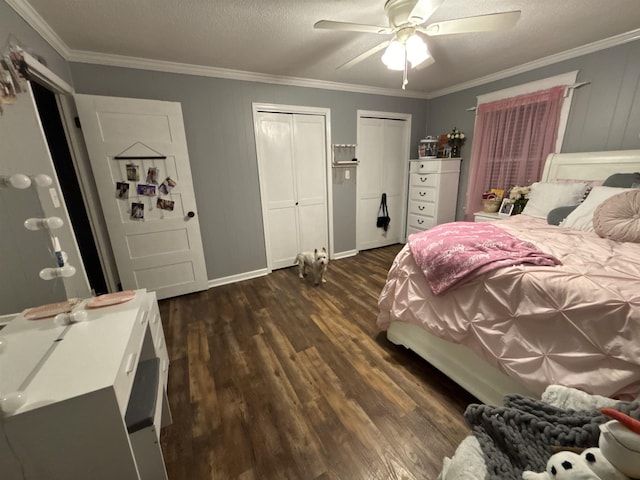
point(617, 456)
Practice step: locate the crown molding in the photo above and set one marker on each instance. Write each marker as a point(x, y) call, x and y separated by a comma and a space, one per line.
point(36, 22)
point(542, 62)
point(189, 69)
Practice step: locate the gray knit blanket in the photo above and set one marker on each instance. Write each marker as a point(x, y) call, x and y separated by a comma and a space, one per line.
point(519, 436)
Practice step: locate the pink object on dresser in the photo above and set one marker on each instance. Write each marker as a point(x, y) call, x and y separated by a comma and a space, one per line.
point(111, 299)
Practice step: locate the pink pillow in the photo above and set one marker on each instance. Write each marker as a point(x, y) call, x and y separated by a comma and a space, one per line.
point(618, 217)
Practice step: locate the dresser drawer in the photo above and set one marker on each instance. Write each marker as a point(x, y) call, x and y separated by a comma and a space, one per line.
point(420, 222)
point(424, 180)
point(423, 194)
point(421, 208)
point(435, 166)
point(127, 371)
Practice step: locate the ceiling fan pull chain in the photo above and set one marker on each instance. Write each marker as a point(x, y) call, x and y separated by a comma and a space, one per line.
point(406, 67)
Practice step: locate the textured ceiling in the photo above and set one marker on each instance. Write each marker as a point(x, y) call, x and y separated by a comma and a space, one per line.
point(276, 37)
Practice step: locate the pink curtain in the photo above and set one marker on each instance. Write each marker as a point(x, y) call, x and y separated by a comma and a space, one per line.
point(511, 141)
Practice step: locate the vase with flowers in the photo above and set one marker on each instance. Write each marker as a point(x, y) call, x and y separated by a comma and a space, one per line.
point(520, 196)
point(456, 139)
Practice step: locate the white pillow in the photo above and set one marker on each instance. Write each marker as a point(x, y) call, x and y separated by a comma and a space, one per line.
point(544, 197)
point(582, 217)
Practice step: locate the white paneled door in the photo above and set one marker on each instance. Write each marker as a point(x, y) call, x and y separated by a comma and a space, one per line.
point(291, 151)
point(153, 229)
point(383, 155)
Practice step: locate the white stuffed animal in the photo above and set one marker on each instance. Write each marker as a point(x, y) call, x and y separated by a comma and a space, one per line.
point(617, 458)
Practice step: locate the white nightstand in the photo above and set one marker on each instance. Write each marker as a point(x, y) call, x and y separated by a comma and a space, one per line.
point(486, 217)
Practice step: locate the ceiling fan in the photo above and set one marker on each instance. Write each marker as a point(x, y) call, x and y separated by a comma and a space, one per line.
point(407, 24)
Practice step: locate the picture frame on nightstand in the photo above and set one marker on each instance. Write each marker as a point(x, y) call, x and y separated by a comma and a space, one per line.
point(506, 208)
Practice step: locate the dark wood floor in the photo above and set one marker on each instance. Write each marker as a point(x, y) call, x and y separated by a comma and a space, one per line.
point(274, 378)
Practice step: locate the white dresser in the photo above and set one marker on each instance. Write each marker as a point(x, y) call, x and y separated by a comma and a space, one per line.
point(433, 193)
point(79, 394)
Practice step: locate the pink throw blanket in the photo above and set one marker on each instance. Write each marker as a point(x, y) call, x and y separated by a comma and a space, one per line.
point(450, 253)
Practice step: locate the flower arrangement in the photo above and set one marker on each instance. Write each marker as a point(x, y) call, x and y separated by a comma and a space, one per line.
point(519, 192)
point(456, 139)
point(519, 195)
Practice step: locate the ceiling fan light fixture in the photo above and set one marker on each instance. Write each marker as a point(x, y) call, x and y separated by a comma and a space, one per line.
point(394, 56)
point(417, 51)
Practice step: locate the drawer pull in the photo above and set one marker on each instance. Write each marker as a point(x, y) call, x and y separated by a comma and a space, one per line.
point(423, 179)
point(420, 221)
point(154, 319)
point(144, 317)
point(422, 194)
point(131, 363)
point(420, 207)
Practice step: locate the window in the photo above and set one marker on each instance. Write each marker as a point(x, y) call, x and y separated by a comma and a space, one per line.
point(514, 132)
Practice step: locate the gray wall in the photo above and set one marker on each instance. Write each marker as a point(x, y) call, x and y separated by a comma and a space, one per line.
point(219, 126)
point(605, 115)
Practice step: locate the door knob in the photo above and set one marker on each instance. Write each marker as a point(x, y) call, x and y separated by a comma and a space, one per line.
point(191, 214)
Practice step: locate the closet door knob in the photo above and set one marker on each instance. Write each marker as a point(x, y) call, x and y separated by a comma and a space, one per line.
point(191, 214)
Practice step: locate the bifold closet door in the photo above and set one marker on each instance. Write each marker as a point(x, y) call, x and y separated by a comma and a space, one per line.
point(291, 152)
point(382, 169)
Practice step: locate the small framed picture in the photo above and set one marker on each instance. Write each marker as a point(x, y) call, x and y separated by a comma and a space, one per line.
point(148, 190)
point(122, 190)
point(506, 208)
point(152, 175)
point(137, 211)
point(133, 172)
point(166, 186)
point(165, 204)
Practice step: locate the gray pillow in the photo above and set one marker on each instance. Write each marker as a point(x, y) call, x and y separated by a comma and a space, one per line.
point(557, 215)
point(623, 180)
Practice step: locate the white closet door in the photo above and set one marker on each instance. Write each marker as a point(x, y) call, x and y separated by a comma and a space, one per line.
point(394, 174)
point(291, 157)
point(311, 185)
point(382, 169)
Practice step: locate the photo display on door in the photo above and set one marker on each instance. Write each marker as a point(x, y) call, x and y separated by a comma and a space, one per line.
point(151, 187)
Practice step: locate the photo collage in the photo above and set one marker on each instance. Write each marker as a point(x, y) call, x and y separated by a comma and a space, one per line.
point(151, 187)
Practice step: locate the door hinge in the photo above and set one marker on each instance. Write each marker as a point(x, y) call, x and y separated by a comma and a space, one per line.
point(77, 122)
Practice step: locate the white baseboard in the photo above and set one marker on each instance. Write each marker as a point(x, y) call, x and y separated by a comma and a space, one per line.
point(348, 253)
point(216, 282)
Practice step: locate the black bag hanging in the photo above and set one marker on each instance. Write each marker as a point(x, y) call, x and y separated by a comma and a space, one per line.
point(383, 214)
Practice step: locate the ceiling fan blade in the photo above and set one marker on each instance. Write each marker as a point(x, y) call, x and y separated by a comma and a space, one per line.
point(352, 27)
point(365, 55)
point(423, 9)
point(480, 23)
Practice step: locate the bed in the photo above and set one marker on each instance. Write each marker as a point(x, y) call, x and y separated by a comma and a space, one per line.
point(520, 328)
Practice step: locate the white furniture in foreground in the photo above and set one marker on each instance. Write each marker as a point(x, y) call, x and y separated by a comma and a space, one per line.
point(77, 390)
point(433, 193)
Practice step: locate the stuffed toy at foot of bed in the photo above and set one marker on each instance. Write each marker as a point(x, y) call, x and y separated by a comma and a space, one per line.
point(617, 458)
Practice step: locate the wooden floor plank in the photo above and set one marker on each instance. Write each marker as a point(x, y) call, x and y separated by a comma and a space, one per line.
point(275, 378)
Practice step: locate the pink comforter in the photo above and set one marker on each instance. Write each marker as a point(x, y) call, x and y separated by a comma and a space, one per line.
point(576, 324)
point(451, 253)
